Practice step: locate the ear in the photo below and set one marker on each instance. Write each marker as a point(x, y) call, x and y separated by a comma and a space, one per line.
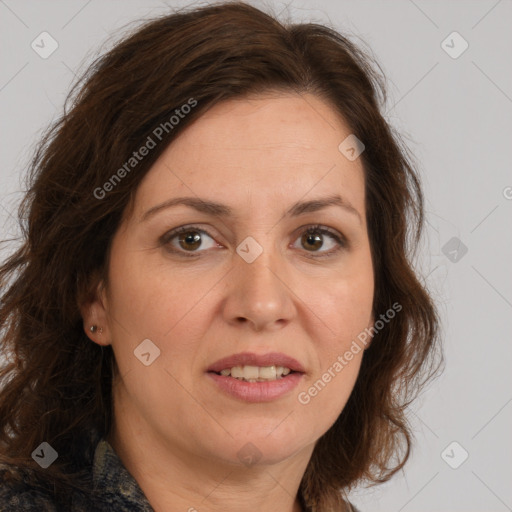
point(94, 311)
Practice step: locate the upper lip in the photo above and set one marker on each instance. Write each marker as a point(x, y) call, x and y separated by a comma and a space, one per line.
point(248, 358)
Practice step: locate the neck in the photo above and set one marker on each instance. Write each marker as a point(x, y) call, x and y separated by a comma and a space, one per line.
point(174, 479)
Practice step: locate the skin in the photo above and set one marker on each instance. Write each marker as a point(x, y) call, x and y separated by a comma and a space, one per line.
point(177, 434)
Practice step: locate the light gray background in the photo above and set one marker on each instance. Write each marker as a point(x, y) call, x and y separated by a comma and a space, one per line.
point(456, 116)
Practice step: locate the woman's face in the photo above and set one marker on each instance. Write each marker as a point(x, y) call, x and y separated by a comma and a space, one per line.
point(248, 281)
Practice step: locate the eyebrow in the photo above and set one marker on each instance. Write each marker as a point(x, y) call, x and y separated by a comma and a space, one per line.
point(221, 210)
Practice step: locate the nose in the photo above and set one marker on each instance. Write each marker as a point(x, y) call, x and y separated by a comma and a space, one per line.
point(258, 295)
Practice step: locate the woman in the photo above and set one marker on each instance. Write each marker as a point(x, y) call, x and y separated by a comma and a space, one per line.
point(213, 307)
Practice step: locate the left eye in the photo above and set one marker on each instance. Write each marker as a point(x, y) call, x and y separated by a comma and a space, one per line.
point(190, 238)
point(314, 236)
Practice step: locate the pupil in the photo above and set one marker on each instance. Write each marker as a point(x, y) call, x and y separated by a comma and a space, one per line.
point(190, 239)
point(311, 239)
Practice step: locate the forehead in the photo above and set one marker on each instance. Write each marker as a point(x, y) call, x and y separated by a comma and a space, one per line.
point(261, 151)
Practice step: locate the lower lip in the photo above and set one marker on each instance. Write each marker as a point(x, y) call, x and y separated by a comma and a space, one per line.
point(257, 391)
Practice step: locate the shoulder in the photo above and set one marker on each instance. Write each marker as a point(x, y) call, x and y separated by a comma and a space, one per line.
point(16, 495)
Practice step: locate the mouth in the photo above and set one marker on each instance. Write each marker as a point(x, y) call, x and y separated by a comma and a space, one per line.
point(249, 373)
point(256, 390)
point(256, 378)
point(248, 361)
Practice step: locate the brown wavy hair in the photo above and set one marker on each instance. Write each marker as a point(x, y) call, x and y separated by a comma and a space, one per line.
point(56, 383)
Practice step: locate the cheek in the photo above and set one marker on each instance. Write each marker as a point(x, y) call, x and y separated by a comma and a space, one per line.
point(151, 302)
point(344, 305)
point(347, 313)
point(345, 308)
point(339, 355)
point(148, 298)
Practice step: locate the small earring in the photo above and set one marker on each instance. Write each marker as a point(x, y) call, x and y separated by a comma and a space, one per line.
point(94, 328)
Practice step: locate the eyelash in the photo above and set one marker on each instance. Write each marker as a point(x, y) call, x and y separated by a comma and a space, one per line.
point(315, 229)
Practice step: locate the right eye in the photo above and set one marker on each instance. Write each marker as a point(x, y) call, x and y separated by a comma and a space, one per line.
point(189, 239)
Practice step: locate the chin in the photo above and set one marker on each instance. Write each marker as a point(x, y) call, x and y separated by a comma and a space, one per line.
point(260, 448)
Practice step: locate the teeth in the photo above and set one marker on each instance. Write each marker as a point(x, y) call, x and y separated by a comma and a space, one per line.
point(267, 372)
point(237, 372)
point(250, 372)
point(256, 373)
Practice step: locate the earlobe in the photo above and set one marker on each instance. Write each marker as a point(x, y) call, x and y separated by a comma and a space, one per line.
point(94, 314)
point(95, 325)
point(94, 329)
point(95, 333)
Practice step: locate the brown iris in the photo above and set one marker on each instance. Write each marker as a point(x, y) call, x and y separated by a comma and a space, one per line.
point(190, 237)
point(308, 238)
